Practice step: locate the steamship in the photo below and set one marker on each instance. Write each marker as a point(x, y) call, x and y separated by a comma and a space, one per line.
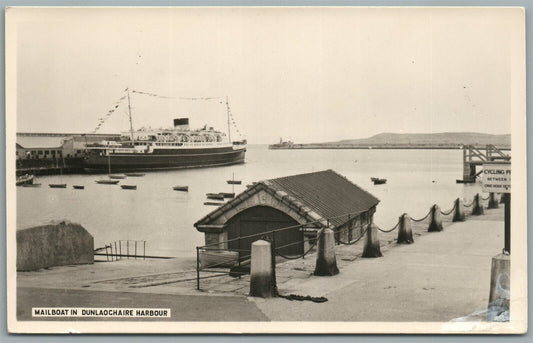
point(165, 149)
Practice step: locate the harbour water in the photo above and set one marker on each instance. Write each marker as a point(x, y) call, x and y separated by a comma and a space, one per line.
point(164, 218)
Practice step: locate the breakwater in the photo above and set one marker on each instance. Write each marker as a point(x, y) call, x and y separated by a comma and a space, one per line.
point(378, 146)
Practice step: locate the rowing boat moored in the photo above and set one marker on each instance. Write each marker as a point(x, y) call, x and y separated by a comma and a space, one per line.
point(131, 187)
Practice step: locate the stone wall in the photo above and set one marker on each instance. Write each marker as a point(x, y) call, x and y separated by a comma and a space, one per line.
point(54, 245)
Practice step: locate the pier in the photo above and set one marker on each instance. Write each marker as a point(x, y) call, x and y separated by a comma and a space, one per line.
point(407, 285)
point(473, 157)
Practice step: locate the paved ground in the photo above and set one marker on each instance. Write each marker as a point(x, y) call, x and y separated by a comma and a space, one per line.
point(182, 307)
point(440, 277)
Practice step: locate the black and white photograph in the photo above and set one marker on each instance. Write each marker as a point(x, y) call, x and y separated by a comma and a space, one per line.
point(266, 170)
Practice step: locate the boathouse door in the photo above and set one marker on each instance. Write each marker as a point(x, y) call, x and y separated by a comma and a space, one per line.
point(259, 219)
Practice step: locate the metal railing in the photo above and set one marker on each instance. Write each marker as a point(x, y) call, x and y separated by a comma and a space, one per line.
point(242, 256)
point(132, 249)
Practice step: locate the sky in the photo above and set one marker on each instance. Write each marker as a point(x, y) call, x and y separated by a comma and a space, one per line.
point(304, 74)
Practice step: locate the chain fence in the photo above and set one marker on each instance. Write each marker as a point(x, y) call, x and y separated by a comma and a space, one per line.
point(243, 256)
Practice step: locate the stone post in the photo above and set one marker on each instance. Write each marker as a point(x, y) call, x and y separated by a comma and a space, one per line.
point(458, 213)
point(499, 288)
point(405, 233)
point(493, 203)
point(477, 207)
point(261, 270)
point(372, 248)
point(326, 262)
point(435, 224)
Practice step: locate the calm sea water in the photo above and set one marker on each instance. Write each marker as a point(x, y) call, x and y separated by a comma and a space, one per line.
point(416, 179)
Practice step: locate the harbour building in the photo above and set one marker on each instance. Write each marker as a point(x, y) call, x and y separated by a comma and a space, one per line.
point(304, 202)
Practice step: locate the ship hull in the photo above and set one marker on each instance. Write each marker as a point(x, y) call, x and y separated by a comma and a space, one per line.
point(164, 160)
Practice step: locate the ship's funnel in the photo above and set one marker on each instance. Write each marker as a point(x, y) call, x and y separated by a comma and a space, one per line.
point(181, 123)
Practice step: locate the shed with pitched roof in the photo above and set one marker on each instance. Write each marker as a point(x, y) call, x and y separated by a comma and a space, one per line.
point(302, 203)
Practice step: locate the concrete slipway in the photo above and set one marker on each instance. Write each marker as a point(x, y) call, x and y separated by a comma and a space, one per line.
point(442, 276)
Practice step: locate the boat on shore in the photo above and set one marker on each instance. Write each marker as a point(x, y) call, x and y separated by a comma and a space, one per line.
point(378, 181)
point(181, 188)
point(117, 177)
point(25, 179)
point(78, 187)
point(57, 185)
point(166, 149)
point(227, 195)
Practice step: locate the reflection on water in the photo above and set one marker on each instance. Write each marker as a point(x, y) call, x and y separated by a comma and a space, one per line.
point(416, 179)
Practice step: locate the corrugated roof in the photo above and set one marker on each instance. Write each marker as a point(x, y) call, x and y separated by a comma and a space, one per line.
point(327, 193)
point(40, 142)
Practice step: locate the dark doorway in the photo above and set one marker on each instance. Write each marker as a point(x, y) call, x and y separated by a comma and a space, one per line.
point(259, 219)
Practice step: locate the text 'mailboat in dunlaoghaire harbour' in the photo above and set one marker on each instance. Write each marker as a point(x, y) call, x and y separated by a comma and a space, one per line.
point(165, 149)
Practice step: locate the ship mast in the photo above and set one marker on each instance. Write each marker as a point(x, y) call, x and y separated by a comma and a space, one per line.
point(229, 130)
point(129, 111)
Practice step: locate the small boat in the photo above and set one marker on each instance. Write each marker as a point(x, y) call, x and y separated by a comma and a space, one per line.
point(132, 187)
point(34, 185)
point(213, 203)
point(181, 188)
point(78, 187)
point(25, 180)
point(215, 196)
point(107, 182)
point(218, 258)
point(233, 181)
point(59, 185)
point(135, 174)
point(378, 181)
point(227, 195)
point(117, 177)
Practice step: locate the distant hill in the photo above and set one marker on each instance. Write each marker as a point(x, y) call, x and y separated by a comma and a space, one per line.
point(445, 140)
point(430, 139)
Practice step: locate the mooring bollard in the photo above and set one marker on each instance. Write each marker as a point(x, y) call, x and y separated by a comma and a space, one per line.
point(458, 213)
point(478, 209)
point(326, 261)
point(405, 233)
point(499, 286)
point(372, 248)
point(261, 270)
point(435, 224)
point(493, 203)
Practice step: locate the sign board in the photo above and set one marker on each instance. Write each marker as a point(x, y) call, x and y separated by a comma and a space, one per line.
point(496, 177)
